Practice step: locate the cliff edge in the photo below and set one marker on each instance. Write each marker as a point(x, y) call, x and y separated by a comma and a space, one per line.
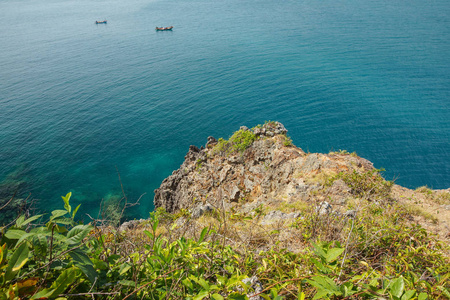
point(259, 171)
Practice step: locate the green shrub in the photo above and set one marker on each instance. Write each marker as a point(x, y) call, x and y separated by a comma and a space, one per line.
point(238, 142)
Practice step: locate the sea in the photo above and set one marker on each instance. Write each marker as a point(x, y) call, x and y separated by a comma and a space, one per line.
point(106, 110)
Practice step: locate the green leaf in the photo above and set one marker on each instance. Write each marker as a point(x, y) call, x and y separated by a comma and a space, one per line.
point(422, 296)
point(187, 283)
point(203, 234)
point(63, 281)
point(237, 296)
point(66, 202)
point(149, 234)
point(82, 261)
point(332, 254)
point(202, 282)
point(202, 294)
point(397, 286)
point(28, 221)
point(124, 268)
point(75, 211)
point(323, 282)
point(320, 294)
point(17, 261)
point(64, 221)
point(40, 244)
point(319, 250)
point(127, 283)
point(20, 220)
point(14, 234)
point(444, 291)
point(77, 234)
point(217, 296)
point(301, 296)
point(408, 295)
point(57, 213)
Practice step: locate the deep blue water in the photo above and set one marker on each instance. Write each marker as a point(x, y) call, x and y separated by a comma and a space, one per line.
point(78, 100)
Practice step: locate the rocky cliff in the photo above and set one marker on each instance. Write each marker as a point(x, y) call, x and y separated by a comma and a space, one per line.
point(259, 169)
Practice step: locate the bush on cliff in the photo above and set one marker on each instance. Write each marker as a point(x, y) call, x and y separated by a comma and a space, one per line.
point(174, 257)
point(238, 142)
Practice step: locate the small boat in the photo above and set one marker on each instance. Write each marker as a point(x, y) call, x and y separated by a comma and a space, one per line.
point(101, 22)
point(164, 28)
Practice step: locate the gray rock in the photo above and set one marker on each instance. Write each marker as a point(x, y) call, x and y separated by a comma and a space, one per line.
point(129, 225)
point(324, 208)
point(256, 285)
point(200, 210)
point(235, 194)
point(244, 128)
point(211, 141)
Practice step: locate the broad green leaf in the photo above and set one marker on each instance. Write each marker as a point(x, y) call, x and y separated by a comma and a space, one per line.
point(20, 220)
point(14, 234)
point(202, 294)
point(17, 261)
point(63, 281)
point(301, 296)
point(64, 221)
point(124, 268)
point(422, 296)
point(324, 283)
point(40, 244)
point(66, 202)
point(217, 296)
point(319, 250)
point(201, 282)
point(57, 213)
point(29, 220)
point(320, 294)
point(408, 295)
point(397, 286)
point(82, 261)
point(332, 254)
point(187, 283)
point(78, 233)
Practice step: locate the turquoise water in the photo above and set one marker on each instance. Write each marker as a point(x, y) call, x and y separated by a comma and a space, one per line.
point(78, 99)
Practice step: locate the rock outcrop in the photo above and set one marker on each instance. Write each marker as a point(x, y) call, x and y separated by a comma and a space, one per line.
point(270, 170)
point(258, 173)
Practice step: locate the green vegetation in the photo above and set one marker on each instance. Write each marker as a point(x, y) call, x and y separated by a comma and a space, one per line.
point(238, 142)
point(368, 185)
point(374, 255)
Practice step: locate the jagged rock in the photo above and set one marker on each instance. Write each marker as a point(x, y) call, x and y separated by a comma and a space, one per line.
point(265, 171)
point(244, 128)
point(235, 194)
point(324, 208)
point(256, 285)
point(211, 141)
point(200, 210)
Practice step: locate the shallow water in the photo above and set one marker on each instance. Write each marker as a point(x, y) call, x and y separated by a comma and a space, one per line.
point(79, 99)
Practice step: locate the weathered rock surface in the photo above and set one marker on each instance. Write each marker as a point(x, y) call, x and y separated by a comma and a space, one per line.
point(268, 169)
